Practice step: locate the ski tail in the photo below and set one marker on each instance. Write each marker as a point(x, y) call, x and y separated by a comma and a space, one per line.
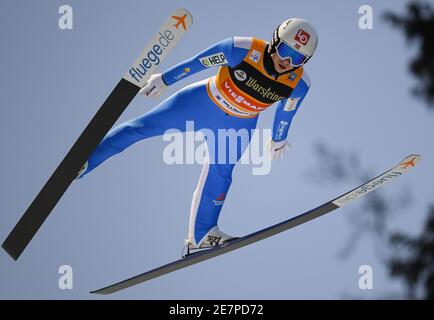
point(65, 173)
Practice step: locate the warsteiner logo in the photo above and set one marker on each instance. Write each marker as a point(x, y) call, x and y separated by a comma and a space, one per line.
point(266, 92)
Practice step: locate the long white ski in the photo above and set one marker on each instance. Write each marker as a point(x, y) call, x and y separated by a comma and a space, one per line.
point(342, 200)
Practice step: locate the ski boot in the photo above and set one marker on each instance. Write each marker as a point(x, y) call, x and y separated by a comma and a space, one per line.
point(214, 238)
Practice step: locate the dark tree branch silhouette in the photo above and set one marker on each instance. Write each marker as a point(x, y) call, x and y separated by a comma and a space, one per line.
point(418, 27)
point(413, 256)
point(410, 258)
point(414, 260)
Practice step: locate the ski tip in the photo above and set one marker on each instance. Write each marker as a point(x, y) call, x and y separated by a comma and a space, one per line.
point(183, 10)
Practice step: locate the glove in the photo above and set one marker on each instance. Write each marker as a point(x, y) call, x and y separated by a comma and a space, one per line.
point(277, 149)
point(154, 87)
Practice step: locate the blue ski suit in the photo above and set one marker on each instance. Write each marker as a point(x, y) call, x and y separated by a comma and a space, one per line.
point(232, 99)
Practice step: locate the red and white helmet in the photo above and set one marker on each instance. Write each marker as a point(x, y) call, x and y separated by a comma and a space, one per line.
point(299, 35)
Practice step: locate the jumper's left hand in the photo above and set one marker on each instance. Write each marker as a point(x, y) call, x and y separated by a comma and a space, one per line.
point(277, 149)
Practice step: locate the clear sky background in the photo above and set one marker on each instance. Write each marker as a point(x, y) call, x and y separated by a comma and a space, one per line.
point(131, 214)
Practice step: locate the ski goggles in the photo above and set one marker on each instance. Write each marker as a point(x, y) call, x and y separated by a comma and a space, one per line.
point(286, 52)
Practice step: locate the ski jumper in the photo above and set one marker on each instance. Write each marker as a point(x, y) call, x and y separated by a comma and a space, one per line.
point(232, 99)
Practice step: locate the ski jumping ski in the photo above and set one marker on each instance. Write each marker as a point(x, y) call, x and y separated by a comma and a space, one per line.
point(124, 92)
point(334, 204)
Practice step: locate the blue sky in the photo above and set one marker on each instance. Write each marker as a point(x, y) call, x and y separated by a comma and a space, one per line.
point(131, 214)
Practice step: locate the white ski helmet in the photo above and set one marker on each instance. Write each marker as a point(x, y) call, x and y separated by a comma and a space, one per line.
point(295, 38)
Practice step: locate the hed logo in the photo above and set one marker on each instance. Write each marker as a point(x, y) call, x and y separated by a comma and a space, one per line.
point(302, 36)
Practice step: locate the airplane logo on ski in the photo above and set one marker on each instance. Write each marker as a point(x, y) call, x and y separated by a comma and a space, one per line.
point(410, 163)
point(181, 21)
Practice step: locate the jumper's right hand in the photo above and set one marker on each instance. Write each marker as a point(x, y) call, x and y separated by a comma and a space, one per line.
point(154, 87)
point(277, 149)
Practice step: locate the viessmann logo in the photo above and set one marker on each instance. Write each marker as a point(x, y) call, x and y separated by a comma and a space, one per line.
point(152, 57)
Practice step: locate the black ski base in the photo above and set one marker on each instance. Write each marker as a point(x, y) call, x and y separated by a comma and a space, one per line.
point(67, 171)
